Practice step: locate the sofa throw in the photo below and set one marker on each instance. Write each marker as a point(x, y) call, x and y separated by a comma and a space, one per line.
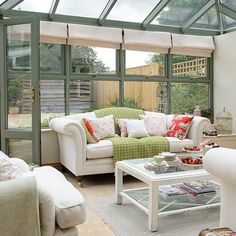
point(119, 113)
point(132, 148)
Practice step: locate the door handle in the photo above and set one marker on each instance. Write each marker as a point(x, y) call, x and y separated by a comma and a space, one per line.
point(33, 95)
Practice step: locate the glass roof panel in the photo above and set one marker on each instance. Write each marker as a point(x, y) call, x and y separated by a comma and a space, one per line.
point(208, 21)
point(37, 6)
point(132, 10)
point(84, 8)
point(178, 11)
point(229, 3)
point(1, 1)
point(228, 22)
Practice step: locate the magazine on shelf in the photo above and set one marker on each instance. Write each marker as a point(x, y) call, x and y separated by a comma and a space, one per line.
point(170, 191)
point(197, 187)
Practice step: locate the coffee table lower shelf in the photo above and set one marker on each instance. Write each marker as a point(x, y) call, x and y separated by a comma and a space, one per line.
point(174, 204)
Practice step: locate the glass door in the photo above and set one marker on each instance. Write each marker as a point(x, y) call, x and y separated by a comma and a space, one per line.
point(20, 74)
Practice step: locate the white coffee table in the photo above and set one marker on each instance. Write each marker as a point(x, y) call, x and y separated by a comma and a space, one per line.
point(148, 198)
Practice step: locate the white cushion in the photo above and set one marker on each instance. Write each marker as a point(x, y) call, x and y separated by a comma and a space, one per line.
point(136, 128)
point(64, 194)
point(102, 149)
point(177, 145)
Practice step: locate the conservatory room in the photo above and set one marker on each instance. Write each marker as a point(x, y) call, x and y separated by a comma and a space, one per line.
point(117, 117)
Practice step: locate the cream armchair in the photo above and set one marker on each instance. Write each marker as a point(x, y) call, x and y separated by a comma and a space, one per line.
point(40, 203)
point(221, 163)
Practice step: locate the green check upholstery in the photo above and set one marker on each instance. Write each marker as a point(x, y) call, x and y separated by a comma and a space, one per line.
point(132, 148)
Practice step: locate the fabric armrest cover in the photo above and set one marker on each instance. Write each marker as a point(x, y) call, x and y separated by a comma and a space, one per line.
point(68, 201)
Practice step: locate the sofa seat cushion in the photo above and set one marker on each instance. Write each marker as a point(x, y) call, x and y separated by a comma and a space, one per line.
point(104, 148)
point(68, 201)
point(177, 145)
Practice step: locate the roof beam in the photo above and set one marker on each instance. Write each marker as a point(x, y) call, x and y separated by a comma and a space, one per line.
point(53, 9)
point(228, 12)
point(219, 16)
point(152, 15)
point(106, 11)
point(108, 23)
point(200, 13)
point(8, 5)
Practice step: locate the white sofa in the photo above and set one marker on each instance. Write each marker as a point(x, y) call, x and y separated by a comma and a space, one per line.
point(87, 159)
point(40, 203)
point(221, 163)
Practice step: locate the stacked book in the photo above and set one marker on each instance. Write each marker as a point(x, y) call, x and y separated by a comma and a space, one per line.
point(197, 187)
point(170, 191)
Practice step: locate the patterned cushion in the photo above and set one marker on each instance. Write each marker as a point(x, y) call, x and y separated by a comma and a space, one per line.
point(103, 127)
point(7, 170)
point(154, 125)
point(89, 137)
point(123, 128)
point(136, 128)
point(179, 126)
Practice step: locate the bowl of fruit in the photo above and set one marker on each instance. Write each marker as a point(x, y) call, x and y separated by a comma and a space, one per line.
point(192, 149)
point(191, 161)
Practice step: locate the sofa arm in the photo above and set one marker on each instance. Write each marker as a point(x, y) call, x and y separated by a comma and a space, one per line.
point(72, 141)
point(196, 130)
point(19, 207)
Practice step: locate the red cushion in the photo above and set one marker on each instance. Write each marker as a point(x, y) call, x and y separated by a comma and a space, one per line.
point(179, 126)
point(90, 129)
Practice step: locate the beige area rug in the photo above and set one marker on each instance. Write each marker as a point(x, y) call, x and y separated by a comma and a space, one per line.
point(128, 220)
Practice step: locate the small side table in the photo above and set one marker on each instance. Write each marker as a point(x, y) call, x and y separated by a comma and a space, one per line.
point(223, 140)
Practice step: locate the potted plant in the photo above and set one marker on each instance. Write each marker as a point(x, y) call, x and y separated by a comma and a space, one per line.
point(14, 95)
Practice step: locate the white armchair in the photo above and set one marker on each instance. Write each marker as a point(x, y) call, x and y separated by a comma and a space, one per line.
point(40, 203)
point(221, 163)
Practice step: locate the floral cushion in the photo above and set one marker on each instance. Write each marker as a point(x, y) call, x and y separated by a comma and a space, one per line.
point(7, 169)
point(102, 127)
point(155, 126)
point(179, 126)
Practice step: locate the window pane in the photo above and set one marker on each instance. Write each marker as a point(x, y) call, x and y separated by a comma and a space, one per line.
point(228, 23)
point(80, 96)
point(189, 66)
point(150, 96)
point(231, 4)
point(52, 100)
point(185, 96)
point(178, 12)
point(38, 6)
point(18, 48)
point(50, 58)
point(21, 149)
point(93, 60)
point(19, 101)
point(131, 10)
point(208, 21)
point(144, 63)
point(87, 8)
point(105, 93)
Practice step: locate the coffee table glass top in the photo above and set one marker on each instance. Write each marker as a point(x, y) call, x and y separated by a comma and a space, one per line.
point(174, 167)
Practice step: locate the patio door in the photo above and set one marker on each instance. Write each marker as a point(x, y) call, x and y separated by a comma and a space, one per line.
point(20, 74)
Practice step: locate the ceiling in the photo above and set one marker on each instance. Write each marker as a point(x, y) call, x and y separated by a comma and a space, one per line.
point(200, 17)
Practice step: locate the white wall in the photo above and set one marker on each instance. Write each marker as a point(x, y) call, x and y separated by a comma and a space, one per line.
point(225, 74)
